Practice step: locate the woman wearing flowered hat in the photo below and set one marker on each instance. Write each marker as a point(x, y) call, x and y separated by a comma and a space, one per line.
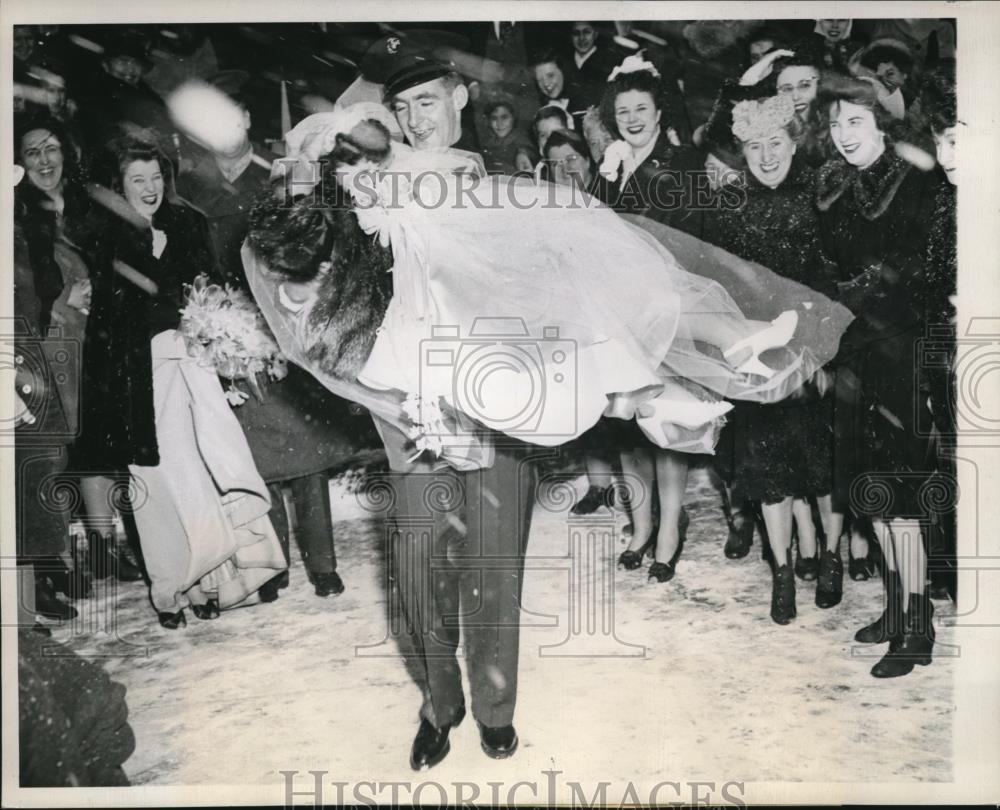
point(781, 456)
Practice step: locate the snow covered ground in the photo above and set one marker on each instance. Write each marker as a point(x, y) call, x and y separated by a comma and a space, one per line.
point(683, 681)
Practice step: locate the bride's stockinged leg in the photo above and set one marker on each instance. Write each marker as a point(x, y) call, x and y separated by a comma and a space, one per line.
point(721, 330)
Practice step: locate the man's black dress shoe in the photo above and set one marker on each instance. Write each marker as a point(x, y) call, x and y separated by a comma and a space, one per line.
point(431, 745)
point(498, 743)
point(328, 584)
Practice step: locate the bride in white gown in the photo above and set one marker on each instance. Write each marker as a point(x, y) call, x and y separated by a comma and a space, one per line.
point(527, 308)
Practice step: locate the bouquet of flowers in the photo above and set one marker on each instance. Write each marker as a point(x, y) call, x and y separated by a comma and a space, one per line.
point(427, 429)
point(226, 332)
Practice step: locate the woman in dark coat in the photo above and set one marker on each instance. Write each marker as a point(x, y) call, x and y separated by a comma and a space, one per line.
point(142, 265)
point(875, 212)
point(780, 455)
point(62, 233)
point(169, 251)
point(648, 173)
point(937, 99)
point(41, 433)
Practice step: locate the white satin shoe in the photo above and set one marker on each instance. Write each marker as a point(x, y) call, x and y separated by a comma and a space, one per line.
point(777, 334)
point(680, 412)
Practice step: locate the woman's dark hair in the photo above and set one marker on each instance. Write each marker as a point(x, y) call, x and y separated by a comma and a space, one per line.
point(836, 88)
point(126, 149)
point(888, 53)
point(938, 103)
point(715, 136)
point(549, 111)
point(767, 34)
point(567, 137)
point(368, 141)
point(493, 106)
point(642, 81)
point(295, 237)
point(29, 122)
point(547, 56)
point(806, 54)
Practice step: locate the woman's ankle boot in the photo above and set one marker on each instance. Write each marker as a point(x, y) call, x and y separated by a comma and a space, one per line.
point(890, 624)
point(830, 582)
point(783, 594)
point(915, 644)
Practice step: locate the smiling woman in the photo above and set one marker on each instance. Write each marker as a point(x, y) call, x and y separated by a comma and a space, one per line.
point(133, 365)
point(875, 212)
point(647, 171)
point(781, 456)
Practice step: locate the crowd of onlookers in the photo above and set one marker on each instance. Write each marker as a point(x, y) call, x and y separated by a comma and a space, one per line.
point(823, 150)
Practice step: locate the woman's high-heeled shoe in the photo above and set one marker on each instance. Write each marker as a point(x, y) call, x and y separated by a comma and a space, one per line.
point(806, 568)
point(172, 621)
point(860, 569)
point(630, 560)
point(661, 572)
point(830, 583)
point(774, 336)
point(210, 610)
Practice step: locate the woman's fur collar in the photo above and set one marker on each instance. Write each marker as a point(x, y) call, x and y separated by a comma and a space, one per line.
point(874, 188)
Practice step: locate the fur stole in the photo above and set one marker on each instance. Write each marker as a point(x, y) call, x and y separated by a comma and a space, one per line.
point(351, 302)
